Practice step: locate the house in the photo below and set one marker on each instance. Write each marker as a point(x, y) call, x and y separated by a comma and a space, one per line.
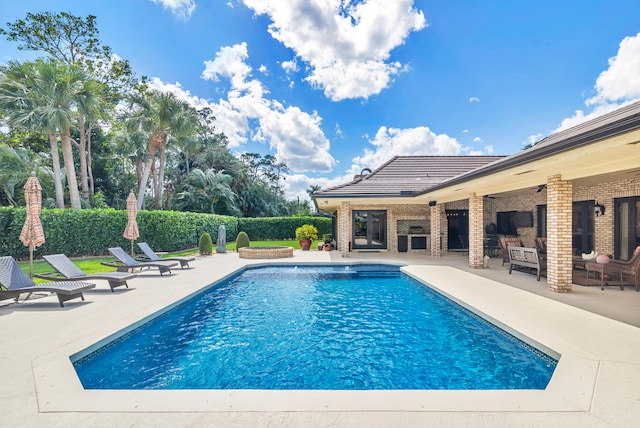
point(579, 188)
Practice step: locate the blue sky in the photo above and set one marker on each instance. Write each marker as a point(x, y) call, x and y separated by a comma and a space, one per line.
point(333, 86)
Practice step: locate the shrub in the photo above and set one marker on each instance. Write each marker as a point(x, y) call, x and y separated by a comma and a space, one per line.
point(242, 240)
point(276, 228)
point(206, 244)
point(306, 232)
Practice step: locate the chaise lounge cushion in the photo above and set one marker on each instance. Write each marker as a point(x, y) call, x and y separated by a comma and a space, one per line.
point(66, 269)
point(126, 263)
point(151, 255)
point(14, 281)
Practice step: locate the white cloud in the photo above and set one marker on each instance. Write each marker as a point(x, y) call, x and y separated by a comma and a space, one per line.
point(290, 66)
point(532, 139)
point(474, 100)
point(180, 8)
point(347, 44)
point(621, 81)
point(477, 140)
point(294, 135)
point(389, 142)
point(296, 185)
point(618, 85)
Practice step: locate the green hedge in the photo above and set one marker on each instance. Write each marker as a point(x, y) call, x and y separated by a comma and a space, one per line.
point(90, 232)
point(277, 228)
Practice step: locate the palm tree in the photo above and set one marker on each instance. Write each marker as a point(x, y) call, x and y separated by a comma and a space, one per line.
point(159, 115)
point(91, 107)
point(208, 192)
point(59, 90)
point(18, 84)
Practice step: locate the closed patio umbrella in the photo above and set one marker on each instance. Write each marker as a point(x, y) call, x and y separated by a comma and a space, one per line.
point(32, 234)
point(131, 231)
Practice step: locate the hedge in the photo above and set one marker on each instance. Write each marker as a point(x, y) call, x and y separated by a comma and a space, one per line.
point(277, 228)
point(90, 232)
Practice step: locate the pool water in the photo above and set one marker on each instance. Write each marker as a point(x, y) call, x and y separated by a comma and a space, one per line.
point(360, 327)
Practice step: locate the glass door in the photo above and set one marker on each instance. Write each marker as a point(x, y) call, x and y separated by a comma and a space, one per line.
point(583, 227)
point(458, 229)
point(369, 230)
point(626, 227)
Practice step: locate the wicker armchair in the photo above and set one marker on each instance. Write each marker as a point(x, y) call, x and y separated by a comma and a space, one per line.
point(505, 243)
point(630, 269)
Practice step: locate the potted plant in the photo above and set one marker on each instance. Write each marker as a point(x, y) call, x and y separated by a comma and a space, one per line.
point(305, 234)
point(328, 245)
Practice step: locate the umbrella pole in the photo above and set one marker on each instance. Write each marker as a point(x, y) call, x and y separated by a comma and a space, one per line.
point(31, 261)
point(132, 248)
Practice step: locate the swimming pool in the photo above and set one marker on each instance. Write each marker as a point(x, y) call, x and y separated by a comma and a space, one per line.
point(324, 327)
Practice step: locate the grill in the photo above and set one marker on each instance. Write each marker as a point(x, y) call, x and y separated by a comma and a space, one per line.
point(416, 230)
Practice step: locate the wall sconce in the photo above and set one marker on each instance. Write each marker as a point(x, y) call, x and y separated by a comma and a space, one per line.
point(599, 209)
point(432, 203)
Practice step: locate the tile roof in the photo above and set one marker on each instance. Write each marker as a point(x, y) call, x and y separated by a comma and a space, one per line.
point(411, 174)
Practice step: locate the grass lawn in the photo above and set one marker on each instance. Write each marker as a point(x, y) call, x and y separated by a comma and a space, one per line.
point(93, 264)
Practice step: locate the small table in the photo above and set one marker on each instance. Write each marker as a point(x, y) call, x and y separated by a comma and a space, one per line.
point(579, 262)
point(601, 269)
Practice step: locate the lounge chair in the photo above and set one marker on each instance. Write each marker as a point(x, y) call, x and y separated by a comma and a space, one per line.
point(14, 282)
point(126, 263)
point(150, 255)
point(66, 269)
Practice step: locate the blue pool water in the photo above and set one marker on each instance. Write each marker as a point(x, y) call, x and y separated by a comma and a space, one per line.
point(358, 327)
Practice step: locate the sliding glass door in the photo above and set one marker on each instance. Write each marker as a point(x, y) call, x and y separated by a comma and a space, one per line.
point(626, 226)
point(369, 230)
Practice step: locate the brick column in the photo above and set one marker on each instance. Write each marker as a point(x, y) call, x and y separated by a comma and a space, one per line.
point(476, 235)
point(344, 228)
point(559, 238)
point(435, 212)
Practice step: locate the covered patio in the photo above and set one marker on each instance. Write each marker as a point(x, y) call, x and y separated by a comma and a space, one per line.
point(579, 189)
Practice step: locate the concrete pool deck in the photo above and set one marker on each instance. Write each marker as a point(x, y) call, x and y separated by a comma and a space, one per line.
point(596, 384)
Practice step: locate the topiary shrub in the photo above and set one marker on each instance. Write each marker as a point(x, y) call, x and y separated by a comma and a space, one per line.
point(242, 240)
point(206, 244)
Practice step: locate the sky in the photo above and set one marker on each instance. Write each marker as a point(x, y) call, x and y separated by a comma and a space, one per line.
point(331, 87)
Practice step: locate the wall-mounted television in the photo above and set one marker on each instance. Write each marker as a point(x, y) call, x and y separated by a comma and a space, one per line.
point(524, 219)
point(508, 222)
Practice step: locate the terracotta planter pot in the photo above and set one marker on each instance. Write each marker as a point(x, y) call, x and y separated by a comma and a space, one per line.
point(305, 244)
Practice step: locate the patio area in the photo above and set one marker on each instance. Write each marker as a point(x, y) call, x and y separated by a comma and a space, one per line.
point(596, 332)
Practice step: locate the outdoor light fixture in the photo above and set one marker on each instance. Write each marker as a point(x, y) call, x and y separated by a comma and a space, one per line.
point(599, 209)
point(432, 203)
point(541, 187)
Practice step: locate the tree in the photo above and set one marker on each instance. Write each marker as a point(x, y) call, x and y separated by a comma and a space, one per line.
point(208, 192)
point(43, 94)
point(158, 115)
point(74, 41)
point(15, 168)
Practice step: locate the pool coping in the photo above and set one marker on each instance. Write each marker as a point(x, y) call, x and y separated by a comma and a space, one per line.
point(571, 389)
